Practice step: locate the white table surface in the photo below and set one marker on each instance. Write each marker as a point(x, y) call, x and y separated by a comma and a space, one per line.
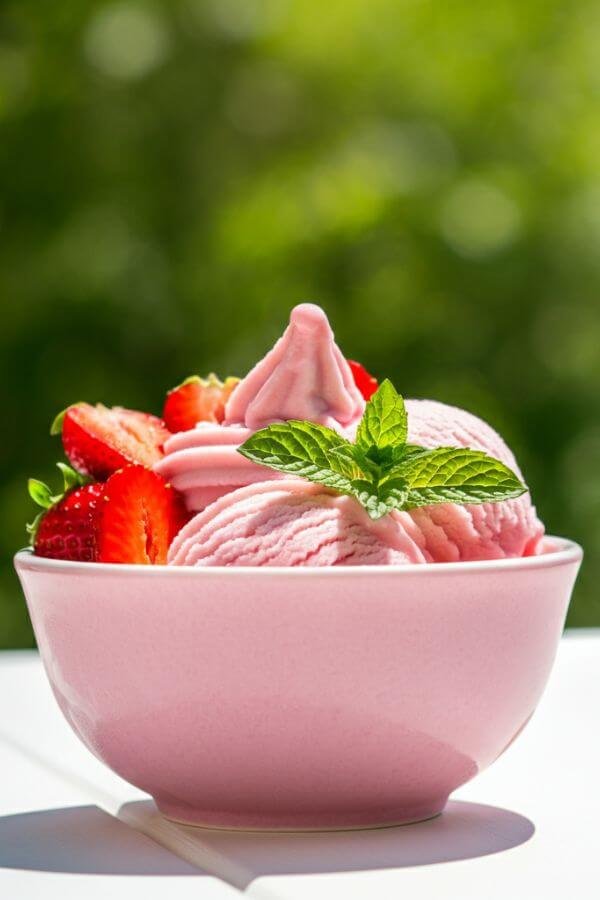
point(526, 828)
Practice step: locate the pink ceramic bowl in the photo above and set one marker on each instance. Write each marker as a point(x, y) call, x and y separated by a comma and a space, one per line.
point(300, 698)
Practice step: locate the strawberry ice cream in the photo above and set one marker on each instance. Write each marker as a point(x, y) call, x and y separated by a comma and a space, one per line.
point(291, 523)
point(483, 531)
point(304, 376)
point(264, 517)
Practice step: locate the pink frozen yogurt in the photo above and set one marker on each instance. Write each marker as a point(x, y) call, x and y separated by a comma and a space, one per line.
point(475, 531)
point(291, 523)
point(275, 520)
point(304, 376)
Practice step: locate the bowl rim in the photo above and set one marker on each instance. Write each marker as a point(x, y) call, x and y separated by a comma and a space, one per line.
point(561, 551)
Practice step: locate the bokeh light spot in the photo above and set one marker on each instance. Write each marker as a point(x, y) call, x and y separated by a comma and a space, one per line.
point(243, 19)
point(126, 41)
point(478, 219)
point(566, 340)
point(263, 101)
point(409, 156)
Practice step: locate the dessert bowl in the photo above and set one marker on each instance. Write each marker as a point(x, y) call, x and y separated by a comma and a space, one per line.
point(300, 698)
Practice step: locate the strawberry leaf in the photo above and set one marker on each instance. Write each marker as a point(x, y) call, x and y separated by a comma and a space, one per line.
point(71, 478)
point(40, 493)
point(32, 528)
point(58, 421)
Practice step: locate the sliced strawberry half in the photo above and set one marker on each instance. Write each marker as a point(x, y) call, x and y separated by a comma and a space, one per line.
point(197, 400)
point(69, 527)
point(364, 381)
point(141, 514)
point(99, 440)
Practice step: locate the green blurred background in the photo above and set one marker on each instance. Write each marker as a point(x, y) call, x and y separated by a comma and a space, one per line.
point(176, 175)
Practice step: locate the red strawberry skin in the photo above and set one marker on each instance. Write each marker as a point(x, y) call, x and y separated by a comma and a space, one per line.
point(197, 400)
point(141, 514)
point(99, 440)
point(70, 529)
point(365, 382)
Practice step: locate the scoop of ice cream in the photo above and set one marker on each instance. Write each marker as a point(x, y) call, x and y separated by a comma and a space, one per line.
point(304, 376)
point(203, 463)
point(475, 531)
point(292, 523)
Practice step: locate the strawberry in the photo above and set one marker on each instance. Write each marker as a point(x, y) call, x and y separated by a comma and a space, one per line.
point(364, 381)
point(197, 400)
point(99, 440)
point(141, 515)
point(130, 518)
point(69, 527)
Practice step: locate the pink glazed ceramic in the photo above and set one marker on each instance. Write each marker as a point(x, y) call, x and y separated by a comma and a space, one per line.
point(300, 698)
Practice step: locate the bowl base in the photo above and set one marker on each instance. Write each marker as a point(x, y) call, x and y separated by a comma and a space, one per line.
point(182, 814)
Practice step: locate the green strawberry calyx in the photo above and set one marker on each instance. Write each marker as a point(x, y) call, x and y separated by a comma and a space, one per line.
point(42, 495)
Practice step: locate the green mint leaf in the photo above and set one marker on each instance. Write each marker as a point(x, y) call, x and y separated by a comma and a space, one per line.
point(40, 493)
point(303, 449)
point(363, 466)
point(458, 475)
point(380, 499)
point(381, 471)
point(366, 494)
point(408, 451)
point(384, 422)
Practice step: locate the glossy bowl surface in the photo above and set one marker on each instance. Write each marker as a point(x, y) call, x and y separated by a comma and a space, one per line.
point(280, 698)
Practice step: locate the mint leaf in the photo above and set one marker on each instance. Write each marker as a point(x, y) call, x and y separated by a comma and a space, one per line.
point(381, 470)
point(379, 499)
point(304, 449)
point(363, 465)
point(408, 451)
point(458, 475)
point(384, 422)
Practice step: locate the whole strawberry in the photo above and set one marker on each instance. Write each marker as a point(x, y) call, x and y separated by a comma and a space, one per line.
point(197, 400)
point(364, 381)
point(130, 518)
point(68, 529)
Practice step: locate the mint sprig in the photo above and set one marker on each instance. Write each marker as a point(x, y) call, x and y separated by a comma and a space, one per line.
point(381, 470)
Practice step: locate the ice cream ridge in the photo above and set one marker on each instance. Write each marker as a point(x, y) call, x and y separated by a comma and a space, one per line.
point(304, 376)
point(253, 514)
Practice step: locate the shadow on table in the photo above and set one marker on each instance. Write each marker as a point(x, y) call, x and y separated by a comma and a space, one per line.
point(463, 831)
point(82, 840)
point(86, 840)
